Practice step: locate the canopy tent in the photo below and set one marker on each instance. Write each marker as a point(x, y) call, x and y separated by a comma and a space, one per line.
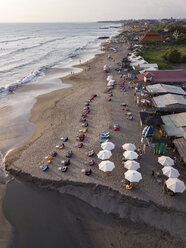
point(170, 172)
point(106, 166)
point(129, 147)
point(176, 185)
point(104, 154)
point(131, 165)
point(166, 161)
point(130, 155)
point(133, 176)
point(107, 146)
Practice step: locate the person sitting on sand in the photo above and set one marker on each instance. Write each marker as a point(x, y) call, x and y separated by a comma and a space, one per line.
point(139, 151)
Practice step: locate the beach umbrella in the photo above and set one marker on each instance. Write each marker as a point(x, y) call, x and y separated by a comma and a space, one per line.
point(133, 176)
point(106, 166)
point(166, 161)
point(129, 147)
point(176, 185)
point(111, 83)
point(109, 78)
point(107, 146)
point(170, 172)
point(104, 154)
point(130, 155)
point(131, 165)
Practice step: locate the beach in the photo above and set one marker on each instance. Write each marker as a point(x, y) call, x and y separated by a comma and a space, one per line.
point(57, 115)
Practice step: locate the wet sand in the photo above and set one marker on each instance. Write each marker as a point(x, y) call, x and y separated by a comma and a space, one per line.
point(5, 227)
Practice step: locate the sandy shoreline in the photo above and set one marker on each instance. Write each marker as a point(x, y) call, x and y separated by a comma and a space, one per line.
point(57, 115)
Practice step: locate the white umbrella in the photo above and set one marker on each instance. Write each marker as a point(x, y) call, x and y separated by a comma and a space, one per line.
point(109, 78)
point(166, 161)
point(104, 154)
point(129, 147)
point(106, 166)
point(170, 172)
point(130, 155)
point(133, 176)
point(176, 185)
point(131, 165)
point(111, 83)
point(107, 146)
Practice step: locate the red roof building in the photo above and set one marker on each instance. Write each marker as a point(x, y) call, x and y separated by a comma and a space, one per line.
point(151, 36)
point(163, 76)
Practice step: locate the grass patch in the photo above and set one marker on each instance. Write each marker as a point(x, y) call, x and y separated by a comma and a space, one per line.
point(154, 54)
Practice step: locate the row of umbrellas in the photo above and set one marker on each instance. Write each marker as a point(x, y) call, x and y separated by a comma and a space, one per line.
point(132, 174)
point(105, 154)
point(173, 183)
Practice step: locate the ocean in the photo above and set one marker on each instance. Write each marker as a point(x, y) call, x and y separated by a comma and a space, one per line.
point(28, 51)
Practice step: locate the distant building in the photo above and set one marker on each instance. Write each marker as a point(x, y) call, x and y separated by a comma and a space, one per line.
point(151, 36)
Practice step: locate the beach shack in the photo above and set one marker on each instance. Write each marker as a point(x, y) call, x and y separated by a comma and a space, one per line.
point(175, 77)
point(170, 101)
point(161, 89)
point(174, 126)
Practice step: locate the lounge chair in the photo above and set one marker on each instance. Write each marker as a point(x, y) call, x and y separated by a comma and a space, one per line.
point(45, 168)
point(88, 172)
point(85, 130)
point(91, 153)
point(80, 145)
point(54, 154)
point(105, 136)
point(68, 154)
point(103, 141)
point(91, 163)
point(116, 127)
point(107, 133)
point(64, 168)
point(67, 162)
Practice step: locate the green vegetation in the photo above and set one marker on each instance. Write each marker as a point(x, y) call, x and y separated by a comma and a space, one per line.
point(173, 56)
point(156, 54)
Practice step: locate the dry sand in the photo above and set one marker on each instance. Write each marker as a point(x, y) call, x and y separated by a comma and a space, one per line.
point(57, 115)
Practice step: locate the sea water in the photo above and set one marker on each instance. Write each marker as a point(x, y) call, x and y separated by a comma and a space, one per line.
point(29, 50)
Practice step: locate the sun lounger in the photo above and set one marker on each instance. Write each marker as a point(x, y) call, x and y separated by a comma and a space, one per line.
point(45, 168)
point(88, 172)
point(103, 141)
point(91, 163)
point(104, 136)
point(68, 154)
point(80, 145)
point(85, 130)
point(54, 154)
point(64, 168)
point(107, 133)
point(91, 153)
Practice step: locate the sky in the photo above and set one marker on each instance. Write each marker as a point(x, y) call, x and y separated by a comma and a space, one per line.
point(88, 10)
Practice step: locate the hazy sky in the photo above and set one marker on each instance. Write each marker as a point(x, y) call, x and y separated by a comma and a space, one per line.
point(88, 10)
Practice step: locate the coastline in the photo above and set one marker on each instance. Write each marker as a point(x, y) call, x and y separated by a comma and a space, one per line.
point(56, 112)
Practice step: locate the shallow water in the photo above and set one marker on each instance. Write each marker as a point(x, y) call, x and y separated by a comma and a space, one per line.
point(44, 219)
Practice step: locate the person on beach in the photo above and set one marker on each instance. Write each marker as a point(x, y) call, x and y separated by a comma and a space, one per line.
point(139, 151)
